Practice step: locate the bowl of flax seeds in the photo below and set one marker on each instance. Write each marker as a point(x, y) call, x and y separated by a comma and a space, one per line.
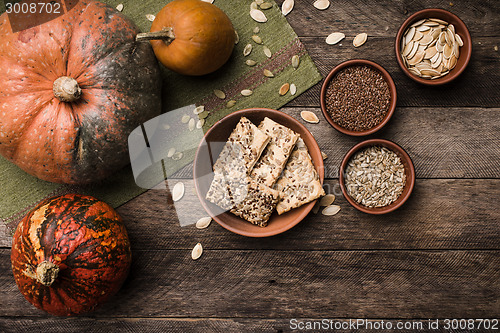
point(358, 97)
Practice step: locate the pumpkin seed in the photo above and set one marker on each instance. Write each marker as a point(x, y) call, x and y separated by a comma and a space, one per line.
point(321, 4)
point(287, 7)
point(178, 191)
point(203, 222)
point(331, 210)
point(166, 126)
point(219, 93)
point(295, 61)
point(268, 73)
point(259, 2)
point(185, 119)
point(200, 123)
point(119, 7)
point(267, 52)
point(284, 89)
point(327, 200)
point(334, 38)
point(197, 251)
point(246, 92)
point(231, 103)
point(254, 5)
point(360, 39)
point(237, 37)
point(191, 124)
point(256, 30)
point(266, 5)
point(316, 207)
point(459, 40)
point(325, 156)
point(310, 117)
point(209, 1)
point(257, 39)
point(293, 89)
point(203, 115)
point(150, 17)
point(258, 15)
point(171, 152)
point(199, 109)
point(247, 49)
point(251, 62)
point(177, 156)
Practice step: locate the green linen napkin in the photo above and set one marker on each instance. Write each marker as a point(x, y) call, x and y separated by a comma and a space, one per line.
point(20, 191)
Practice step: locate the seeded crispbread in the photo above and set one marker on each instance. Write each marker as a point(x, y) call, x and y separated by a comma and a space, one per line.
point(268, 168)
point(226, 192)
point(300, 182)
point(258, 204)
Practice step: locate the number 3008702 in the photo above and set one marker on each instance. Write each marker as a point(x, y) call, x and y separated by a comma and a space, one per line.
point(33, 8)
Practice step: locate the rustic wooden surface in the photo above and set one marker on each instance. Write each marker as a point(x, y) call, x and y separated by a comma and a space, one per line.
point(436, 257)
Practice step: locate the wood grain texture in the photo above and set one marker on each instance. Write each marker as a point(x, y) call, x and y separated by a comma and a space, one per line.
point(296, 284)
point(440, 214)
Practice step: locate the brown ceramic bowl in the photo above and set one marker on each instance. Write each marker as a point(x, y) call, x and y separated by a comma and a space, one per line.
point(208, 152)
point(388, 79)
point(409, 171)
point(460, 28)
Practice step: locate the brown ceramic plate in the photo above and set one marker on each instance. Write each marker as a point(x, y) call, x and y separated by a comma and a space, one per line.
point(208, 152)
point(388, 79)
point(460, 29)
point(409, 172)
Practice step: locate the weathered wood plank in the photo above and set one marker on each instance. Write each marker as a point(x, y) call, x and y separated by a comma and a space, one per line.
point(236, 325)
point(477, 86)
point(441, 214)
point(295, 284)
point(383, 19)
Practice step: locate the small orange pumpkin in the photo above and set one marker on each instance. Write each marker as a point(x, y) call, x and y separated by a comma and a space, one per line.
point(191, 37)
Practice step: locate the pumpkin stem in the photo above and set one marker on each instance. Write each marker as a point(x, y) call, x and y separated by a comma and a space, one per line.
point(66, 89)
point(46, 273)
point(165, 34)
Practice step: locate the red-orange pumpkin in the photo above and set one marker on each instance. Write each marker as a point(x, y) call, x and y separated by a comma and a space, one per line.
point(69, 254)
point(72, 90)
point(198, 38)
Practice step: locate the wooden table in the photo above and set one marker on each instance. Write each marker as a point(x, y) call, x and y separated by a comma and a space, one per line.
point(436, 257)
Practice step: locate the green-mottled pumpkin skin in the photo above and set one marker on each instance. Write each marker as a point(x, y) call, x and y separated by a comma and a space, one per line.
point(86, 239)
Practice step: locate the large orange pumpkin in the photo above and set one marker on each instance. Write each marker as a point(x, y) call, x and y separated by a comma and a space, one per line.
point(191, 37)
point(72, 90)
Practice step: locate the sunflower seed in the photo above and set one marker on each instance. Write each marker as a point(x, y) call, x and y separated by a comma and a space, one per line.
point(199, 109)
point(284, 89)
point(321, 4)
point(256, 30)
point(331, 210)
point(150, 17)
point(203, 222)
point(231, 103)
point(171, 152)
point(203, 115)
point(247, 49)
point(324, 156)
point(185, 119)
point(177, 156)
point(268, 73)
point(178, 191)
point(293, 89)
point(359, 40)
point(257, 39)
point(191, 124)
point(200, 123)
point(197, 251)
point(267, 52)
point(334, 38)
point(219, 93)
point(327, 200)
point(246, 92)
point(236, 37)
point(287, 7)
point(295, 61)
point(251, 62)
point(258, 15)
point(309, 117)
point(119, 7)
point(266, 5)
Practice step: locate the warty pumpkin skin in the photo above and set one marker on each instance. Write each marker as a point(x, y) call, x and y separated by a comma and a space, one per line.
point(84, 140)
point(70, 254)
point(203, 37)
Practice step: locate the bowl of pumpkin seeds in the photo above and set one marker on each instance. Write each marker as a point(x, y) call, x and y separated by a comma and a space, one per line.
point(433, 46)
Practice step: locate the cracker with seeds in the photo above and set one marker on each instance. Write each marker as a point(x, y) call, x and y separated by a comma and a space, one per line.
point(268, 168)
point(300, 182)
